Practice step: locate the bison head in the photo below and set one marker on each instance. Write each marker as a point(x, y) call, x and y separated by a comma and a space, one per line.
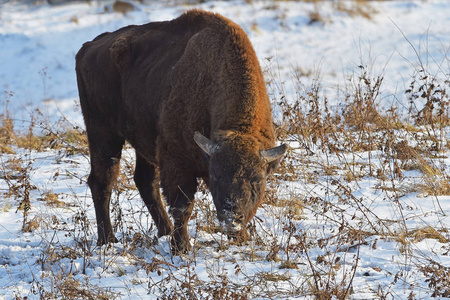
point(237, 176)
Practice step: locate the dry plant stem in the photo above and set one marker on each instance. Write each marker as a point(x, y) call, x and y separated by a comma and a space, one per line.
point(315, 274)
point(364, 210)
point(439, 205)
point(354, 267)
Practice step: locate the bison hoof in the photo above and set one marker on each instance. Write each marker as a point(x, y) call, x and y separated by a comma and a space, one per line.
point(104, 241)
point(180, 246)
point(165, 230)
point(240, 237)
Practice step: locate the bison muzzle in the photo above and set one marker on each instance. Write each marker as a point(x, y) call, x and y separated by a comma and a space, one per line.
point(190, 97)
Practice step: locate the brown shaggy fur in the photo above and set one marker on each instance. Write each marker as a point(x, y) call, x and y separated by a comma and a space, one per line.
point(156, 84)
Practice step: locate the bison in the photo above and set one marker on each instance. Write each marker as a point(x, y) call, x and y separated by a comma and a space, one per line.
point(189, 96)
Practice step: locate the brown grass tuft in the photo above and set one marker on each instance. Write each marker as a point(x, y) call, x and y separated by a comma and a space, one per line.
point(427, 232)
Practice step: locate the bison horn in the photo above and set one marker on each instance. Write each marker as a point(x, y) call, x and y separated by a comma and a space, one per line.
point(274, 153)
point(208, 146)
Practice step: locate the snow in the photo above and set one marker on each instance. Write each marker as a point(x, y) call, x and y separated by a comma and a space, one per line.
point(38, 47)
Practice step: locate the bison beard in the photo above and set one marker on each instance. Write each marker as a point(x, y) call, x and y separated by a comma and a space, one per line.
point(190, 97)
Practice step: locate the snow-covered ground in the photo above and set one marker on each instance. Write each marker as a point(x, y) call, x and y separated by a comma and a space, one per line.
point(293, 40)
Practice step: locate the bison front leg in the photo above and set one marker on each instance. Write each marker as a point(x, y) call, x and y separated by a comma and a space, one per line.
point(180, 238)
point(180, 198)
point(147, 181)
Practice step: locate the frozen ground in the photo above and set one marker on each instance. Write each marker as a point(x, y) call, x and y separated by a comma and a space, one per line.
point(38, 44)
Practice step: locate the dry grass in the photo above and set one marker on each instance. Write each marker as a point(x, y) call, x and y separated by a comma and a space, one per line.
point(41, 135)
point(427, 232)
point(67, 287)
point(358, 8)
point(354, 9)
point(438, 279)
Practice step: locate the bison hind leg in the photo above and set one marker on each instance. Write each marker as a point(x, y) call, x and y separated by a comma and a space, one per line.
point(105, 150)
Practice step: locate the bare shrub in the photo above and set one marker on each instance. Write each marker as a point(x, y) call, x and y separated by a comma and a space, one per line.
point(438, 279)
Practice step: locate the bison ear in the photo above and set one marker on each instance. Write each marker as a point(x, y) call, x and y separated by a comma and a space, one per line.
point(208, 146)
point(273, 154)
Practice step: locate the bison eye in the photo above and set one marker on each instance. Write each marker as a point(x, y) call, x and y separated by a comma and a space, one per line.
point(257, 184)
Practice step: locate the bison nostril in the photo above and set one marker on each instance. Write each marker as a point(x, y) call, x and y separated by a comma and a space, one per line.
point(234, 222)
